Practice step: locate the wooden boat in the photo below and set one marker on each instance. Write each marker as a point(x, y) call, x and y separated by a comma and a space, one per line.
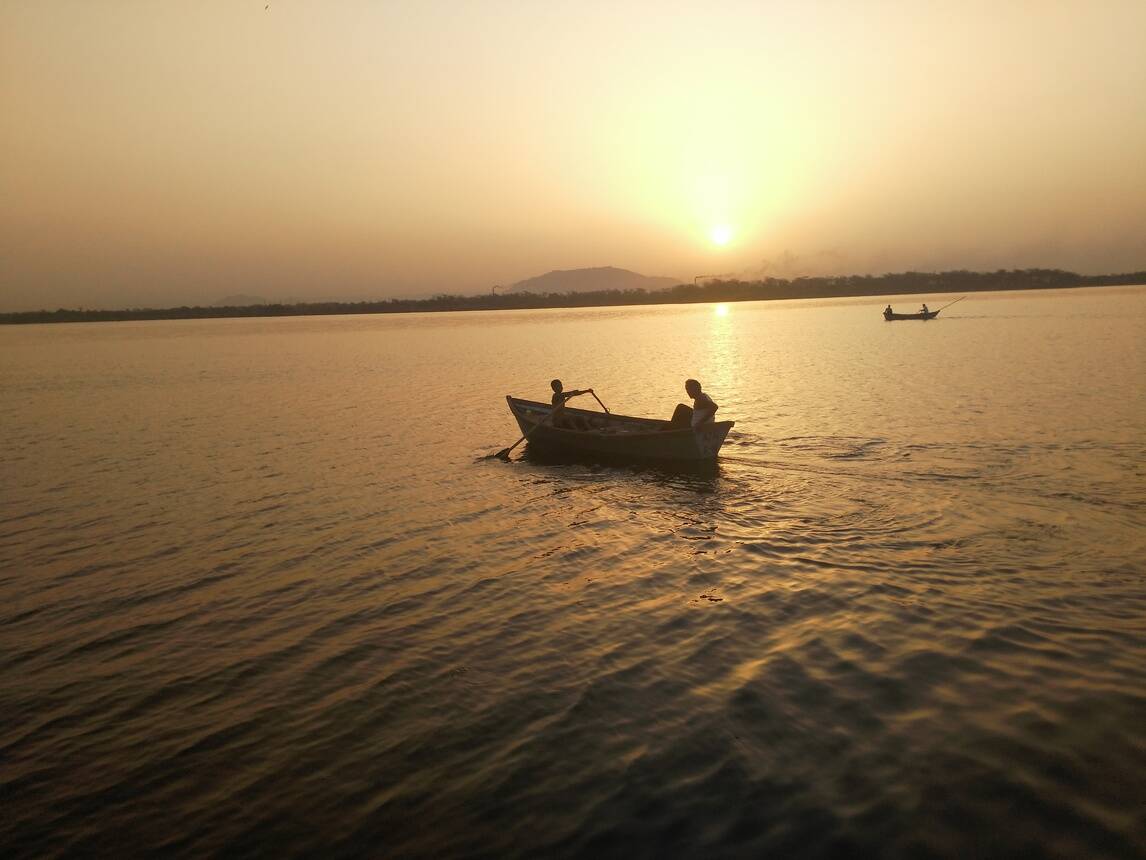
point(892, 316)
point(585, 431)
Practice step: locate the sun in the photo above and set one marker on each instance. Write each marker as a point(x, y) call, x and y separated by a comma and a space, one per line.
point(721, 234)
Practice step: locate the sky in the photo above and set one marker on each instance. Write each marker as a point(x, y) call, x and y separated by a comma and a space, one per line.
point(159, 153)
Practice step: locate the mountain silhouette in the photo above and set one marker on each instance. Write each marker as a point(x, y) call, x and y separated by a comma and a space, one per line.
point(240, 301)
point(591, 280)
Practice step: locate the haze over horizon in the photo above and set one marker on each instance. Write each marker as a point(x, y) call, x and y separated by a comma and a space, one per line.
point(163, 154)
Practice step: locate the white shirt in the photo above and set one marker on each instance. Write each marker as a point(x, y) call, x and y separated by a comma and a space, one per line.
point(702, 409)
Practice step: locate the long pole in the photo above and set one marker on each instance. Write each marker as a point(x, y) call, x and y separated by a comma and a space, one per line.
point(951, 303)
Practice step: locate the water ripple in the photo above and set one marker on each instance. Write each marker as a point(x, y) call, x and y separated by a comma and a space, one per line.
point(260, 618)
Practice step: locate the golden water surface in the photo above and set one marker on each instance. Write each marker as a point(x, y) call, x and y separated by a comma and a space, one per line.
point(260, 593)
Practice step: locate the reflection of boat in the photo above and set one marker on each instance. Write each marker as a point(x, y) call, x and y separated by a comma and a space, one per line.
point(699, 475)
point(890, 316)
point(616, 435)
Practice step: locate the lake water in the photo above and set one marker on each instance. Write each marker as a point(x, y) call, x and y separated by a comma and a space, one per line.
point(260, 594)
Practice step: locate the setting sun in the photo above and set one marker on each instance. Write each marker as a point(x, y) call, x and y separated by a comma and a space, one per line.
point(721, 234)
point(317, 545)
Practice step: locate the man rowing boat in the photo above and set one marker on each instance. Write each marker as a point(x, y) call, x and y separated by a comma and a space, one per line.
point(560, 417)
point(560, 395)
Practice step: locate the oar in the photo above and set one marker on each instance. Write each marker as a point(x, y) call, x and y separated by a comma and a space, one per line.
point(503, 454)
point(951, 303)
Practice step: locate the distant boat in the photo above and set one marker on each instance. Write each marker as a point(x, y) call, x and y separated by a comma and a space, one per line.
point(891, 316)
point(585, 431)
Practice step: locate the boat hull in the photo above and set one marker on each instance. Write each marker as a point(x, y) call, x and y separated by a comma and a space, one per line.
point(892, 317)
point(623, 436)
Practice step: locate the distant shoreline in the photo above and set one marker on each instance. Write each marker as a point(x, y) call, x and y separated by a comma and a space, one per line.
point(768, 289)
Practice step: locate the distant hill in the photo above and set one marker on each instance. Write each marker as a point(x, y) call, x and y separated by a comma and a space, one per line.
point(240, 301)
point(927, 285)
point(591, 281)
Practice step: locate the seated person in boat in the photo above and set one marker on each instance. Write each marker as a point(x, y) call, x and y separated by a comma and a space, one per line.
point(924, 310)
point(702, 411)
point(560, 396)
point(888, 311)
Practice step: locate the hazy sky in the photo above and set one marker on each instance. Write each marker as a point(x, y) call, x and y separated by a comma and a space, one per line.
point(161, 153)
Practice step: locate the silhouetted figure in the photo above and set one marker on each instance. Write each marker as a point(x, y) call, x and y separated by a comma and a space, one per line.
point(888, 313)
point(924, 311)
point(702, 411)
point(560, 396)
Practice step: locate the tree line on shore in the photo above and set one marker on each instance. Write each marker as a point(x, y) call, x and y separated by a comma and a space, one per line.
point(714, 290)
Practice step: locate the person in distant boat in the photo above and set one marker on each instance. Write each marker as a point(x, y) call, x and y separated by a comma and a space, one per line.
point(560, 396)
point(924, 310)
point(888, 310)
point(702, 411)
